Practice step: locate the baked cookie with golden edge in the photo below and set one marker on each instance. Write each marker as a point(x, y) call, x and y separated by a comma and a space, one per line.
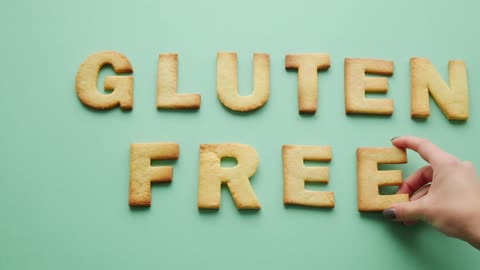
point(425, 80)
point(212, 175)
point(369, 178)
point(167, 96)
point(142, 174)
point(227, 82)
point(357, 84)
point(295, 174)
point(121, 86)
point(308, 66)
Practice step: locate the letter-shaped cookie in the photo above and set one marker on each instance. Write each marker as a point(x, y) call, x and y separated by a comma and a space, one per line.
point(227, 82)
point(142, 174)
point(308, 66)
point(369, 178)
point(295, 174)
point(121, 86)
point(212, 175)
point(357, 84)
point(167, 96)
point(453, 100)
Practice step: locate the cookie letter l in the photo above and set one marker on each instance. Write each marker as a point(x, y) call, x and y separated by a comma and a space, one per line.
point(167, 96)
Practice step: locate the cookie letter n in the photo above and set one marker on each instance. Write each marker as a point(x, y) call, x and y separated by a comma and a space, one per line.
point(121, 86)
point(167, 96)
point(357, 84)
point(307, 65)
point(369, 178)
point(212, 175)
point(453, 100)
point(227, 82)
point(142, 174)
point(295, 174)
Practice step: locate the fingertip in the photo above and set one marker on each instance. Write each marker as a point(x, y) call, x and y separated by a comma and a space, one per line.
point(397, 141)
point(403, 189)
point(390, 213)
point(408, 211)
point(392, 139)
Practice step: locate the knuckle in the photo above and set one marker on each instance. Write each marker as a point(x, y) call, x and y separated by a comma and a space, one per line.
point(426, 170)
point(467, 164)
point(450, 161)
point(407, 211)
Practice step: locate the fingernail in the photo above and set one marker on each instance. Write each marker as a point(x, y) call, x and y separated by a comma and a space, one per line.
point(389, 213)
point(393, 138)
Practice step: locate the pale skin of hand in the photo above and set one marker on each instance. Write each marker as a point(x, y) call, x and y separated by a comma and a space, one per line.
point(451, 203)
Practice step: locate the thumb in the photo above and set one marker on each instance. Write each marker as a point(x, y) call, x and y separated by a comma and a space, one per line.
point(406, 211)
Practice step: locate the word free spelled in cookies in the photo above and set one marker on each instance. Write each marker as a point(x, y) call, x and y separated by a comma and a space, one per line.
point(212, 175)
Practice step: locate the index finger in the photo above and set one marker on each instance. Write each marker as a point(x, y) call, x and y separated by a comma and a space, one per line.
point(427, 150)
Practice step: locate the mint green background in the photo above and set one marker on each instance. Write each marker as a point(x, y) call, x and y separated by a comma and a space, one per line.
point(65, 168)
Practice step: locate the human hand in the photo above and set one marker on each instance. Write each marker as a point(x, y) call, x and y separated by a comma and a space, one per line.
point(451, 203)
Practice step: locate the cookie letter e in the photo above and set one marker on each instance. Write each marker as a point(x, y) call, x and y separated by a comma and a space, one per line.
point(295, 174)
point(357, 84)
point(121, 86)
point(369, 178)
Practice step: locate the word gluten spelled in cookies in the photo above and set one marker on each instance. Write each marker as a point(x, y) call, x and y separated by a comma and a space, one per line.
point(425, 82)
